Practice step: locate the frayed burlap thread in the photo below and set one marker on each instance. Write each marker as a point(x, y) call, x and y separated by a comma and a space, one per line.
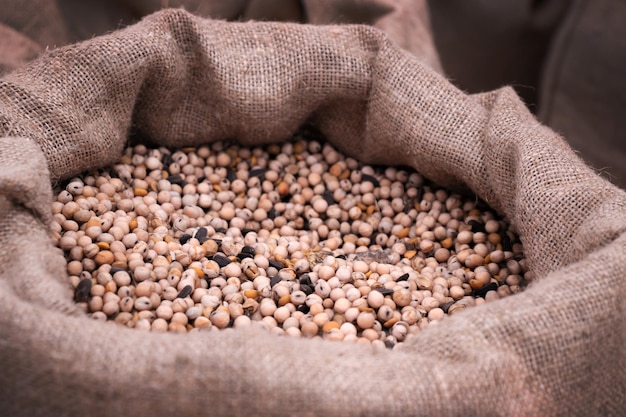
point(556, 349)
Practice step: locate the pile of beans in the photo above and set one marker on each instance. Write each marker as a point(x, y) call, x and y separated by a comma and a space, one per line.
point(293, 237)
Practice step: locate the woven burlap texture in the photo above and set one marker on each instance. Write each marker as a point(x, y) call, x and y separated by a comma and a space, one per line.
point(27, 29)
point(556, 349)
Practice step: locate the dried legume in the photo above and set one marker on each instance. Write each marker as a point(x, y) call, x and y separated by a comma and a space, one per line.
point(292, 237)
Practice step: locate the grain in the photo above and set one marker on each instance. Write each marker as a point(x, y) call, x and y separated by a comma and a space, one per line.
point(309, 244)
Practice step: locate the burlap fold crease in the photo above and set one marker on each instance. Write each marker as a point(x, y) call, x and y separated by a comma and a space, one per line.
point(555, 350)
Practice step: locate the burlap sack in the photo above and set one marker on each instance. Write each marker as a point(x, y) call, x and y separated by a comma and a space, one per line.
point(49, 24)
point(556, 349)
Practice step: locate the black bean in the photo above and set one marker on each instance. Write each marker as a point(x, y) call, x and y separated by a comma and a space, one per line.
point(220, 230)
point(247, 249)
point(201, 234)
point(274, 280)
point(477, 227)
point(185, 291)
point(369, 178)
point(221, 260)
point(403, 277)
point(258, 172)
point(389, 344)
point(230, 174)
point(166, 159)
point(307, 289)
point(384, 291)
point(445, 307)
point(176, 179)
point(303, 308)
point(480, 292)
point(82, 291)
point(271, 214)
point(305, 279)
point(328, 196)
point(276, 264)
point(115, 269)
point(184, 238)
point(243, 255)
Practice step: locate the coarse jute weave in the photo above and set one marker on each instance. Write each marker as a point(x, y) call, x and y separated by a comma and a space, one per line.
point(556, 349)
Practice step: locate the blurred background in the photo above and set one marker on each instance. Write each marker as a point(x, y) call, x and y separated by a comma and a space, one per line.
point(566, 59)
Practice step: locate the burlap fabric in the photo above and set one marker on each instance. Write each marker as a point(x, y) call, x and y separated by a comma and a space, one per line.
point(555, 350)
point(27, 28)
